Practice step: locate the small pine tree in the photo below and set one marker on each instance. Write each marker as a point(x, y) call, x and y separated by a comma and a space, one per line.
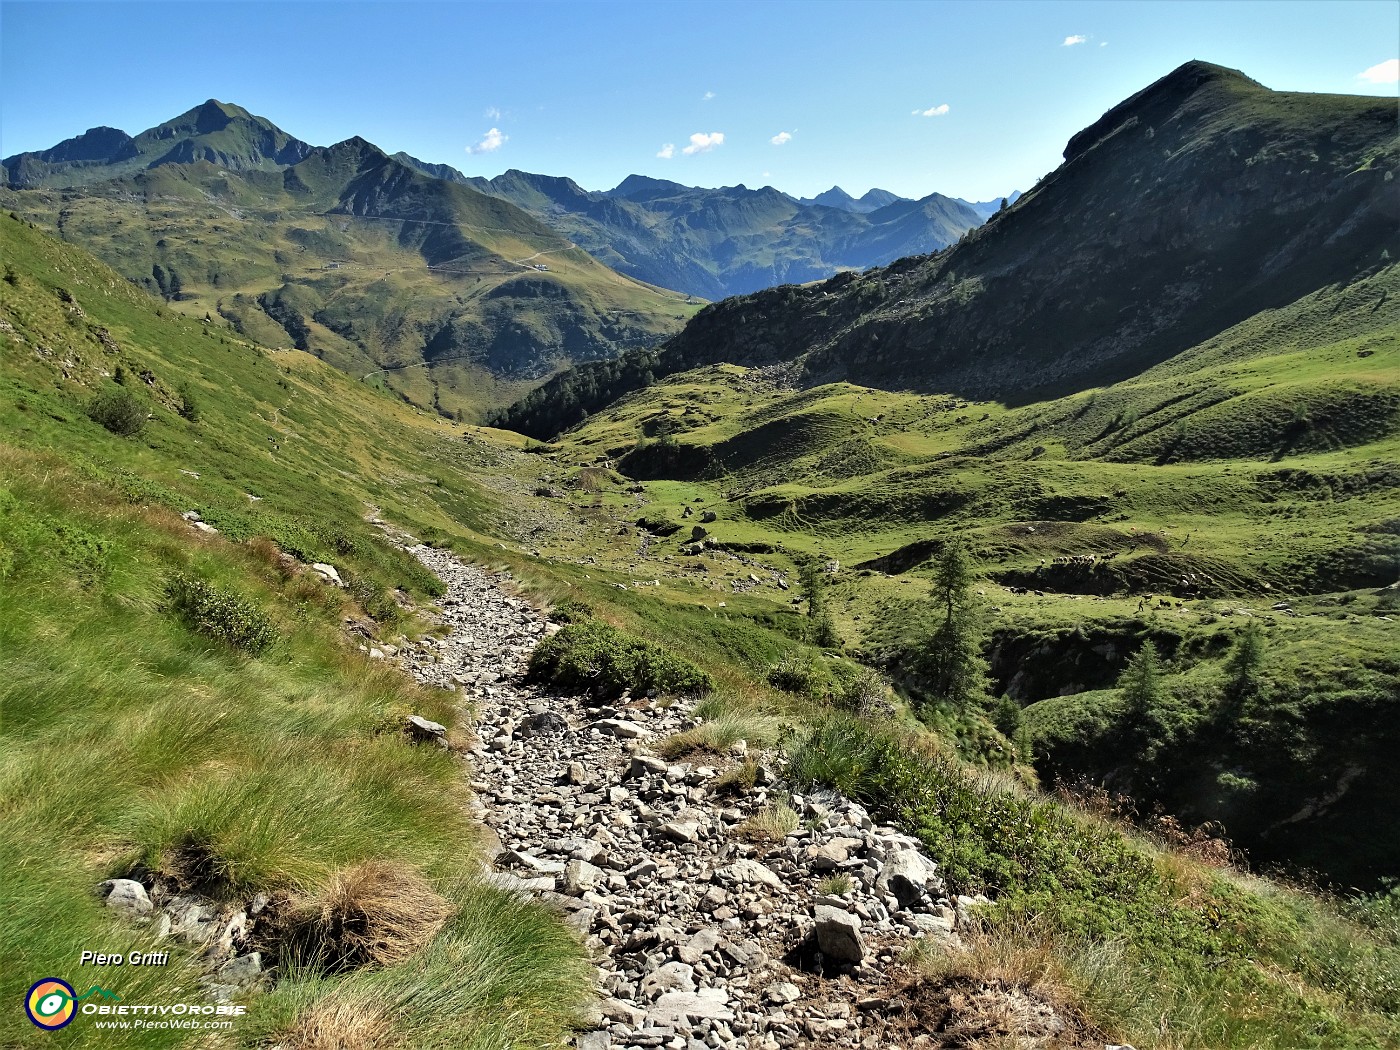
point(189, 405)
point(812, 581)
point(1242, 671)
point(950, 658)
point(1141, 685)
point(1006, 716)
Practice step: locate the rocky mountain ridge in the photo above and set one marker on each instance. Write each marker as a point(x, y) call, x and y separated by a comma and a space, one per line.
point(217, 132)
point(1195, 204)
point(454, 297)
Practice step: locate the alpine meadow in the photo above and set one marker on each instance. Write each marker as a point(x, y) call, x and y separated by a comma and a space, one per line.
point(445, 609)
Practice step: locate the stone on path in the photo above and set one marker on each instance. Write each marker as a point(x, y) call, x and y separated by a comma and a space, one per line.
point(675, 1007)
point(750, 872)
point(622, 728)
point(542, 723)
point(670, 977)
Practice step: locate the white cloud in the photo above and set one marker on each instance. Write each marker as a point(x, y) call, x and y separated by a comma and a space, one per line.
point(1387, 72)
point(490, 142)
point(932, 111)
point(781, 137)
point(707, 96)
point(1070, 41)
point(492, 113)
point(667, 151)
point(702, 143)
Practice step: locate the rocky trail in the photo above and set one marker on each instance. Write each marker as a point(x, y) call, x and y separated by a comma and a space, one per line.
point(704, 937)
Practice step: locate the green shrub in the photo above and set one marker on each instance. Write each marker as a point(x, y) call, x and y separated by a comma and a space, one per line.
point(189, 405)
point(591, 656)
point(221, 614)
point(799, 672)
point(119, 411)
point(373, 598)
point(570, 610)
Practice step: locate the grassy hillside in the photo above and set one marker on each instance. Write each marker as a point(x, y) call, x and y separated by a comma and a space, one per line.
point(134, 740)
point(454, 299)
point(1255, 471)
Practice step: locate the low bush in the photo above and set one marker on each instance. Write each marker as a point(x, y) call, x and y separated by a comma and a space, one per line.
point(220, 613)
point(374, 599)
point(119, 411)
point(591, 656)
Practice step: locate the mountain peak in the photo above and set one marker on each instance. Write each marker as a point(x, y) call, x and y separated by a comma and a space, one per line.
point(641, 187)
point(1163, 97)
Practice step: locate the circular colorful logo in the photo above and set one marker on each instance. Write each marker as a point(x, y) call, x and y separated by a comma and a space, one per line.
point(51, 1003)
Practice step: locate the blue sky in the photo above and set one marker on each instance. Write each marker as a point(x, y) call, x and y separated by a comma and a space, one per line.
point(972, 99)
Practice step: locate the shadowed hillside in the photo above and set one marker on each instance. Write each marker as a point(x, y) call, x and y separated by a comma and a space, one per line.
point(1186, 209)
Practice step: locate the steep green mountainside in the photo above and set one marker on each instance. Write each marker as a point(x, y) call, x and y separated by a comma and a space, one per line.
point(1254, 479)
point(1188, 208)
point(217, 132)
point(133, 742)
point(728, 241)
point(457, 300)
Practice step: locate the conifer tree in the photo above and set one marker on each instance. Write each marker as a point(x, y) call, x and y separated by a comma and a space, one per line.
point(811, 580)
point(950, 658)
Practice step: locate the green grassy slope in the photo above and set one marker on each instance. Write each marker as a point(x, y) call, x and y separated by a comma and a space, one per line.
point(368, 264)
point(133, 740)
point(1255, 469)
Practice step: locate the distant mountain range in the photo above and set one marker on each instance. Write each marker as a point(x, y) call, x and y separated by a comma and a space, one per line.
point(1196, 203)
point(714, 243)
point(875, 199)
point(487, 281)
point(226, 135)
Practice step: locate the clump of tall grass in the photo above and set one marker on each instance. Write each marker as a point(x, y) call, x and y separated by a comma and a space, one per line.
point(772, 823)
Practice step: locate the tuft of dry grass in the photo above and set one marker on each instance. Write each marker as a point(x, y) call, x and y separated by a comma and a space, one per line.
point(738, 779)
point(1009, 986)
point(340, 1022)
point(772, 823)
point(377, 913)
point(721, 733)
